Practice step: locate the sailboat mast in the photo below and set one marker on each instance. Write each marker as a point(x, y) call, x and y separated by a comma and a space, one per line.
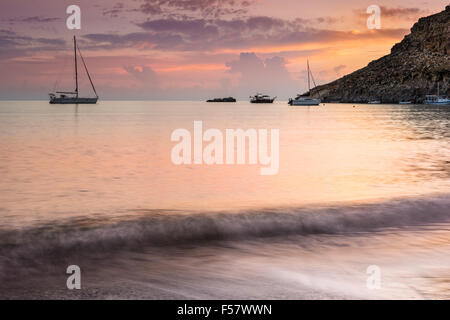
point(309, 82)
point(76, 64)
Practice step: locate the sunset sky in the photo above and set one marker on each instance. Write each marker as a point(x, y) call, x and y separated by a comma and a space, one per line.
point(194, 49)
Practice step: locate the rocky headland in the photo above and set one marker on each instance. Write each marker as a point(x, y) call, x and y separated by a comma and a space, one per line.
point(412, 70)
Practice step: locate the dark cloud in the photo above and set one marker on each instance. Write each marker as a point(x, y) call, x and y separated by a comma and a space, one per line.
point(142, 40)
point(52, 42)
point(197, 27)
point(211, 34)
point(115, 10)
point(264, 23)
point(15, 45)
point(7, 32)
point(12, 39)
point(34, 19)
point(401, 12)
point(204, 8)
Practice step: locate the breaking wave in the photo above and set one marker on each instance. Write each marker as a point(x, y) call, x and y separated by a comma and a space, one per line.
point(162, 228)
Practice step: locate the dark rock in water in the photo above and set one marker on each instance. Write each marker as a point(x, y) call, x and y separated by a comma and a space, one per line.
point(412, 70)
point(229, 99)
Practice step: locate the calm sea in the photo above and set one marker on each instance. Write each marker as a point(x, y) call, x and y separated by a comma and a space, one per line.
point(95, 186)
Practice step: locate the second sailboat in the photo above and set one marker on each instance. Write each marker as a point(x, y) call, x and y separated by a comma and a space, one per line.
point(303, 100)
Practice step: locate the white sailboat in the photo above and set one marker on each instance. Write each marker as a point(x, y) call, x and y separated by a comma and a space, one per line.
point(72, 97)
point(437, 99)
point(306, 100)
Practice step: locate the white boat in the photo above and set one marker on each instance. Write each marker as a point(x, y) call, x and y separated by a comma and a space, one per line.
point(306, 100)
point(262, 98)
point(440, 100)
point(72, 97)
point(374, 102)
point(437, 99)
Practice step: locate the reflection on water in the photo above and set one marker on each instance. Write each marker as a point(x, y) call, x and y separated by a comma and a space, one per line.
point(58, 161)
point(92, 178)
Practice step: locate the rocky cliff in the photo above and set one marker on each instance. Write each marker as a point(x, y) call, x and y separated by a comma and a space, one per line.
point(412, 70)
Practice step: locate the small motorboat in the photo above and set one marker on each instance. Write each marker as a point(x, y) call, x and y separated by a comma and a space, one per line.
point(262, 98)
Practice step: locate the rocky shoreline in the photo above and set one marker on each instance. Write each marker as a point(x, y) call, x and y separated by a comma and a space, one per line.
point(412, 70)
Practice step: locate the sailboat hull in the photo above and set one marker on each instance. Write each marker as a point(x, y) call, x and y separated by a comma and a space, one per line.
point(439, 103)
point(74, 100)
point(304, 102)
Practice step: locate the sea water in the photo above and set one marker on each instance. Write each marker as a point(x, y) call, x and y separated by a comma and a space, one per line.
point(94, 186)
